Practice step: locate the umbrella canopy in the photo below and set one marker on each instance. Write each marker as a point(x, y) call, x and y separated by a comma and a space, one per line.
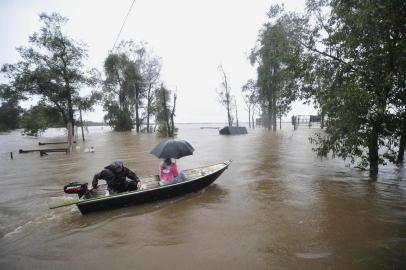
point(173, 149)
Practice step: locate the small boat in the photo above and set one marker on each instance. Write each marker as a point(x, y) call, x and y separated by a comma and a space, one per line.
point(197, 179)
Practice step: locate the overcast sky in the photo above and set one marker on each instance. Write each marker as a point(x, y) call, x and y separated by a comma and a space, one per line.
point(192, 38)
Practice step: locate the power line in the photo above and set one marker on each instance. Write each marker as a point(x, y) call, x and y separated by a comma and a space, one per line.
point(122, 26)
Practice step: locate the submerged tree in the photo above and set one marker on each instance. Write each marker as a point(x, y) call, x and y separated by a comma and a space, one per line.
point(149, 68)
point(40, 117)
point(165, 113)
point(10, 111)
point(250, 96)
point(151, 71)
point(358, 54)
point(133, 72)
point(52, 68)
point(352, 65)
point(275, 57)
point(225, 95)
point(119, 91)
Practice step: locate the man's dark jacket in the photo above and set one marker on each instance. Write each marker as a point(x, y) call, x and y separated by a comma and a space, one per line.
point(115, 180)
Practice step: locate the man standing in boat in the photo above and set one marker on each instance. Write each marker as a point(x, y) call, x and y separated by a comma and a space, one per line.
point(115, 175)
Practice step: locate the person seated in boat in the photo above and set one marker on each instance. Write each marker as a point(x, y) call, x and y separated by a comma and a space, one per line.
point(115, 175)
point(169, 174)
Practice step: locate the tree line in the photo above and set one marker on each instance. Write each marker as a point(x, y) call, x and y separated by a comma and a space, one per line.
point(52, 70)
point(348, 59)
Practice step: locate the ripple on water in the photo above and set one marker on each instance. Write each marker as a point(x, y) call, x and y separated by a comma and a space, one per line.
point(312, 255)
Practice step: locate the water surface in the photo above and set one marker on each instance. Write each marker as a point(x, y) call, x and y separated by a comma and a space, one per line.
point(278, 206)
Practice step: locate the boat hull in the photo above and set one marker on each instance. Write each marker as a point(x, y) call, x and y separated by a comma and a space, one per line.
point(150, 195)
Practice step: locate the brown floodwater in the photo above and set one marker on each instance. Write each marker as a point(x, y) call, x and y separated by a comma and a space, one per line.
point(278, 206)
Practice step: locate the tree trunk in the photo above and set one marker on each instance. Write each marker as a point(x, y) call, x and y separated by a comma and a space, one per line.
point(228, 115)
point(173, 116)
point(148, 115)
point(148, 107)
point(373, 148)
point(137, 116)
point(322, 120)
point(81, 124)
point(249, 116)
point(70, 116)
point(253, 118)
point(70, 134)
point(274, 114)
point(236, 113)
point(402, 143)
point(269, 120)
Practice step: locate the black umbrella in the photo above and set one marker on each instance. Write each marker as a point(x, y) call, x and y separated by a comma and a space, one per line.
point(173, 149)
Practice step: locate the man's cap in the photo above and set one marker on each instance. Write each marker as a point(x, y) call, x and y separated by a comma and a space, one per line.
point(116, 164)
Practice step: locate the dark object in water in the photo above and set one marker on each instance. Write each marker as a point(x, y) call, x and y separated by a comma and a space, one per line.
point(151, 190)
point(43, 152)
point(233, 131)
point(45, 143)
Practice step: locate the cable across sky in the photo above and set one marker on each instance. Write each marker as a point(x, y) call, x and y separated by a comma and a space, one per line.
point(122, 26)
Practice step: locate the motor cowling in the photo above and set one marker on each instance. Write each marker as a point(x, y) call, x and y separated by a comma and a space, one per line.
point(77, 188)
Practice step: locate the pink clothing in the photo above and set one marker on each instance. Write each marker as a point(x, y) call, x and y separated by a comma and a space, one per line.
point(167, 173)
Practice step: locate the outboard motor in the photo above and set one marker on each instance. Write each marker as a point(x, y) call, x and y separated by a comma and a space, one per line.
point(77, 188)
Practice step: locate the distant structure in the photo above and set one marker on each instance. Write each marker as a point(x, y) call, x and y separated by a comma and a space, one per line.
point(297, 120)
point(259, 121)
point(307, 120)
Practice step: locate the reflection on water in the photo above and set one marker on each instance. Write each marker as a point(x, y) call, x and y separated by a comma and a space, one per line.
point(276, 207)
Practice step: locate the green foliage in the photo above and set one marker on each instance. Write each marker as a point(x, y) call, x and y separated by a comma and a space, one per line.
point(119, 92)
point(353, 65)
point(348, 58)
point(130, 87)
point(165, 112)
point(40, 117)
point(10, 111)
point(117, 118)
point(10, 115)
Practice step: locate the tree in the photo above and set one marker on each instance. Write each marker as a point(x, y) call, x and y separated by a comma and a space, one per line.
point(52, 68)
point(10, 111)
point(151, 70)
point(225, 96)
point(148, 69)
point(165, 112)
point(119, 91)
point(250, 96)
point(275, 57)
point(358, 54)
point(136, 57)
point(352, 65)
point(133, 72)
